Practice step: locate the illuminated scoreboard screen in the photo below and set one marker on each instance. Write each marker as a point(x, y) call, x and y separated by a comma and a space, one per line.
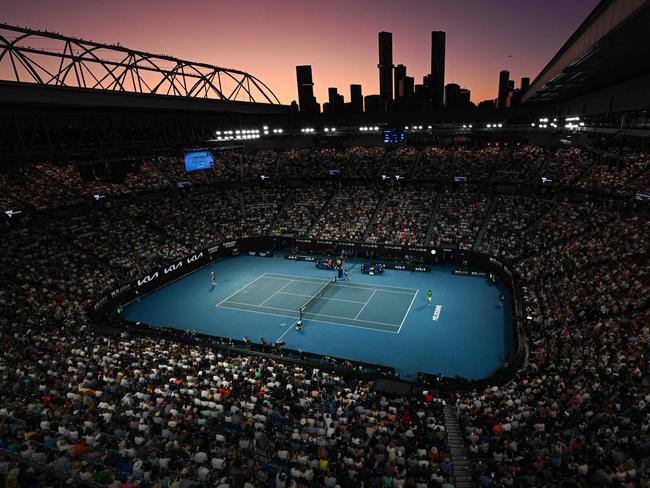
point(394, 136)
point(198, 160)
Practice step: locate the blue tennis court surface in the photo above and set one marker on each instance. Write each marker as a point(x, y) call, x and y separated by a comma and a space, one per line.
point(366, 306)
point(382, 319)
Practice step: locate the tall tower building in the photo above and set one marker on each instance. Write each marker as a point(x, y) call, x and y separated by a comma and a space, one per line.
point(437, 80)
point(400, 74)
point(306, 97)
point(525, 83)
point(356, 98)
point(502, 99)
point(336, 101)
point(385, 66)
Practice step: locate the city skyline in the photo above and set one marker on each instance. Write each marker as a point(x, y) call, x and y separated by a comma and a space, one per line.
point(269, 42)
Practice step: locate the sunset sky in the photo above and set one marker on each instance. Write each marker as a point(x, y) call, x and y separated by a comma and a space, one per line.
point(338, 38)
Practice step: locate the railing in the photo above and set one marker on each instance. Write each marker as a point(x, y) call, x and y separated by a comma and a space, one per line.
point(77, 63)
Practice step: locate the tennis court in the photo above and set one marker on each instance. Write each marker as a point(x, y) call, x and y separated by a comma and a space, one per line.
point(382, 308)
point(381, 319)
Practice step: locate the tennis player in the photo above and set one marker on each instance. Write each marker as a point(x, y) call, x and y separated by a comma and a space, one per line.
point(429, 298)
point(213, 279)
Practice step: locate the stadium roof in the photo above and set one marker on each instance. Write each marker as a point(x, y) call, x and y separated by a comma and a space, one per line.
point(612, 45)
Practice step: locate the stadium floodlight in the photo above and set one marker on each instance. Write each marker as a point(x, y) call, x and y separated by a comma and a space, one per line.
point(384, 177)
point(237, 132)
point(406, 127)
point(218, 132)
point(420, 127)
point(489, 126)
point(266, 132)
point(464, 126)
point(500, 125)
point(429, 127)
point(333, 129)
point(266, 127)
point(533, 124)
point(470, 126)
point(582, 124)
point(327, 129)
point(376, 128)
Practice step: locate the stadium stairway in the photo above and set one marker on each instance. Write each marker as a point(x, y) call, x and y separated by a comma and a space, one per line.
point(242, 206)
point(416, 165)
point(330, 197)
point(432, 219)
point(281, 212)
point(375, 215)
point(483, 228)
point(456, 445)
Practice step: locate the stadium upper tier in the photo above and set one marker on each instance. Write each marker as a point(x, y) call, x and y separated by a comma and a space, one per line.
point(77, 403)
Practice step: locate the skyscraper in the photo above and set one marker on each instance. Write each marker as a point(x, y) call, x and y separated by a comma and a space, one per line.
point(502, 99)
point(437, 80)
point(385, 66)
point(336, 101)
point(400, 74)
point(406, 86)
point(525, 83)
point(306, 97)
point(456, 97)
point(356, 99)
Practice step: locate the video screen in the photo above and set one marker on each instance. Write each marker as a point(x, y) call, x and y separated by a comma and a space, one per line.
point(198, 160)
point(394, 136)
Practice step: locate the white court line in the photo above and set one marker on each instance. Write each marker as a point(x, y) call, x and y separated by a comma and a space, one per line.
point(363, 286)
point(321, 298)
point(364, 305)
point(274, 278)
point(284, 334)
point(312, 313)
point(407, 311)
point(312, 320)
point(281, 288)
point(242, 288)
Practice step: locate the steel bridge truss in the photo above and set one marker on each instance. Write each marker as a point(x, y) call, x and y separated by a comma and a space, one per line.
point(47, 58)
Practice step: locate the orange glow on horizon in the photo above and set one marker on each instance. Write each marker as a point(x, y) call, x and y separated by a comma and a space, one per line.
point(338, 38)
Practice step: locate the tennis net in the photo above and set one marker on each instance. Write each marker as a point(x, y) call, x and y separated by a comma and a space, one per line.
point(305, 306)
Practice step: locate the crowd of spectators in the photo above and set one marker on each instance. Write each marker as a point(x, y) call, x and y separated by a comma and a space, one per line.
point(566, 165)
point(115, 409)
point(519, 164)
point(436, 164)
point(344, 163)
point(508, 223)
point(403, 218)
point(117, 235)
point(348, 214)
point(458, 219)
point(617, 173)
point(32, 187)
point(303, 209)
point(578, 414)
point(262, 206)
point(122, 410)
point(140, 177)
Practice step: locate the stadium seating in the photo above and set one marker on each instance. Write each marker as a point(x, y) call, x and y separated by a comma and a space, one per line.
point(107, 406)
